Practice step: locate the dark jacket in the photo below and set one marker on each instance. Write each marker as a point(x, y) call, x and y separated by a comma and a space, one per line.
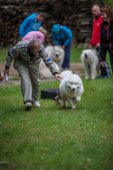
point(106, 39)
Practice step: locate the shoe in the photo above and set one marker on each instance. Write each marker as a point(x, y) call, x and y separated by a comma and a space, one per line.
point(36, 104)
point(28, 106)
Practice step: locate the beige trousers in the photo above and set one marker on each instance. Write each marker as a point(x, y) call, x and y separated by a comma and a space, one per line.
point(29, 75)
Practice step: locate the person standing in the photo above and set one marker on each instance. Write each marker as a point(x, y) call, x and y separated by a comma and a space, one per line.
point(62, 35)
point(31, 23)
point(27, 56)
point(95, 39)
point(97, 22)
point(106, 36)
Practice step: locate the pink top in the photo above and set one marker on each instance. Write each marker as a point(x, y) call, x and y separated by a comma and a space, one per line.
point(34, 34)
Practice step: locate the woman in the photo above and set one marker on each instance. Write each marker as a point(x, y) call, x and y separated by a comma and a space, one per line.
point(31, 23)
point(36, 34)
point(106, 36)
point(62, 36)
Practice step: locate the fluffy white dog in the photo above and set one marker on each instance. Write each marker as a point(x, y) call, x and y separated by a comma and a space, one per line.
point(71, 88)
point(90, 63)
point(57, 55)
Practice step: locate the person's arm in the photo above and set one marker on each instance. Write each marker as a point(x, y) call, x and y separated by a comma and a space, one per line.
point(23, 26)
point(12, 53)
point(68, 35)
point(103, 50)
point(38, 25)
point(91, 39)
point(40, 36)
point(55, 40)
point(102, 55)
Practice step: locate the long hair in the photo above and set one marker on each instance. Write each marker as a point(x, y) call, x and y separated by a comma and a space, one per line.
point(108, 10)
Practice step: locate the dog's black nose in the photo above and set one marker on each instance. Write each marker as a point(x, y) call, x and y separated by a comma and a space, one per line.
point(73, 89)
point(57, 55)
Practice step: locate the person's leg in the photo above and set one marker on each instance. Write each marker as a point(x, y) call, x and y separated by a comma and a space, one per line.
point(34, 76)
point(26, 87)
point(104, 71)
point(66, 62)
point(99, 70)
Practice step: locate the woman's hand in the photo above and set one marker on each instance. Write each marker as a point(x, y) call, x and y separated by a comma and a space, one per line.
point(103, 63)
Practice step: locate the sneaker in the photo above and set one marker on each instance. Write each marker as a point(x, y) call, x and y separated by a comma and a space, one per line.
point(28, 106)
point(36, 104)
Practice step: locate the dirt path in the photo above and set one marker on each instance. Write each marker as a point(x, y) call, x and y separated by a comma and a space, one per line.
point(14, 78)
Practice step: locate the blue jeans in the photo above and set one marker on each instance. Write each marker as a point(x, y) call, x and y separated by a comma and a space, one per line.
point(66, 62)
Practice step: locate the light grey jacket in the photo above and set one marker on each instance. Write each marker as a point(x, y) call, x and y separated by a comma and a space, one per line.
point(21, 53)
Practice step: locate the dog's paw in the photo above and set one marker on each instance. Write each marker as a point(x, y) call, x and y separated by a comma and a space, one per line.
point(86, 77)
point(92, 78)
point(78, 98)
point(73, 107)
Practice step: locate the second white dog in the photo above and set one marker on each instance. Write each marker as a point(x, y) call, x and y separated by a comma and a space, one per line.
point(71, 88)
point(90, 63)
point(57, 54)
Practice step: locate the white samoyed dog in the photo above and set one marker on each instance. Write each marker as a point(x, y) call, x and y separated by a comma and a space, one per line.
point(57, 55)
point(70, 88)
point(90, 63)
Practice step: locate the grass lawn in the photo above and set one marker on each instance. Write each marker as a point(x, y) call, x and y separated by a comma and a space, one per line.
point(52, 138)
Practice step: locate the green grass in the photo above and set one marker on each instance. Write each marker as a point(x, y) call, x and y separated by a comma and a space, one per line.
point(53, 138)
point(3, 53)
point(75, 54)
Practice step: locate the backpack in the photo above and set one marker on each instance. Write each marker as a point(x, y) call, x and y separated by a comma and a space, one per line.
point(105, 71)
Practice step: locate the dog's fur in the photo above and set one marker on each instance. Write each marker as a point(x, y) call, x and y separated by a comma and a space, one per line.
point(71, 88)
point(44, 71)
point(90, 63)
point(57, 55)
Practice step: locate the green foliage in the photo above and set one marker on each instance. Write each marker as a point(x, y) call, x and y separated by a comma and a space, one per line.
point(110, 2)
point(3, 53)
